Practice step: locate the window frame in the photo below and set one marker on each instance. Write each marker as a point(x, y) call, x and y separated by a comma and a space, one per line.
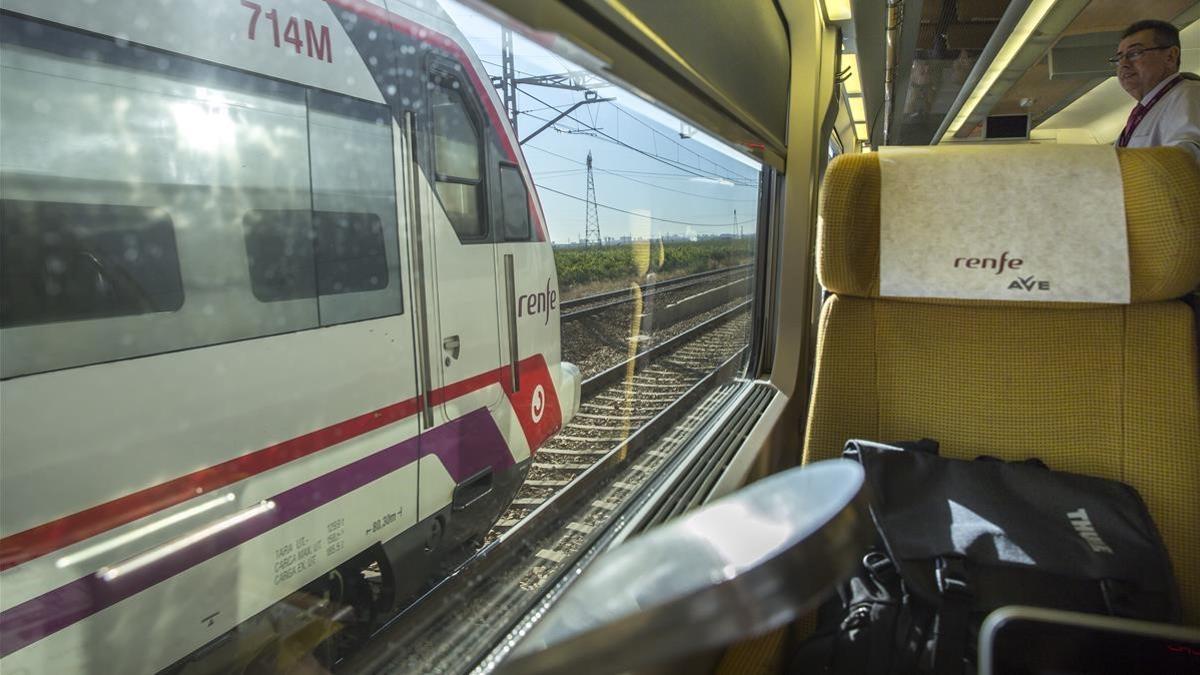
point(502, 231)
point(446, 70)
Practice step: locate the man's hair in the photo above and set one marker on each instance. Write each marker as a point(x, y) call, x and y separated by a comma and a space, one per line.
point(1165, 34)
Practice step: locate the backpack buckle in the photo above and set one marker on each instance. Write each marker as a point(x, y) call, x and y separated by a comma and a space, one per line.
point(951, 576)
point(880, 567)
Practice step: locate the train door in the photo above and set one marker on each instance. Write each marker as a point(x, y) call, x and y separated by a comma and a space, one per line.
point(465, 342)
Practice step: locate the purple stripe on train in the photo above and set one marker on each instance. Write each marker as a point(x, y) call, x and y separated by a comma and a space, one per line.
point(464, 446)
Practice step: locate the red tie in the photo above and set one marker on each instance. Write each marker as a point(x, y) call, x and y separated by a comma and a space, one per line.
point(1135, 118)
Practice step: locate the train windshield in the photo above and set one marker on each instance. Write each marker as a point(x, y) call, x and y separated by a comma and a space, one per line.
point(335, 335)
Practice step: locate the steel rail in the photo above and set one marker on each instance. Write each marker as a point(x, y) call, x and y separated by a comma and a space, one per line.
point(619, 297)
point(595, 383)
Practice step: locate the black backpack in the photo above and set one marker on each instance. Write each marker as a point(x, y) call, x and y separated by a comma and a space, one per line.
point(958, 539)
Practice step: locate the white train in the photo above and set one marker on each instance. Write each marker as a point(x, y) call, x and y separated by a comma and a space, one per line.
point(273, 285)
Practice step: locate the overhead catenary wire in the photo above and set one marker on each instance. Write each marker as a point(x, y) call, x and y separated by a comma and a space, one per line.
point(667, 138)
point(681, 166)
point(592, 130)
point(643, 215)
point(620, 174)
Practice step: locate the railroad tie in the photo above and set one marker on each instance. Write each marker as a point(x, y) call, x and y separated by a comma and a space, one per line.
point(564, 467)
point(585, 439)
point(609, 416)
point(552, 556)
point(568, 452)
point(547, 483)
point(593, 427)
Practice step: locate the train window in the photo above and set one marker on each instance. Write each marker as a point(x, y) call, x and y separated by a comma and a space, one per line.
point(456, 159)
point(357, 244)
point(297, 254)
point(69, 262)
point(279, 252)
point(281, 197)
point(350, 253)
point(188, 197)
point(514, 203)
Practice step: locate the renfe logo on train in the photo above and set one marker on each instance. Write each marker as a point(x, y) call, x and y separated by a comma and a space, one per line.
point(536, 303)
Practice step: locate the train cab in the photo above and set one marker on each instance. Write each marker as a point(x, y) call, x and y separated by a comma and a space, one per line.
point(408, 336)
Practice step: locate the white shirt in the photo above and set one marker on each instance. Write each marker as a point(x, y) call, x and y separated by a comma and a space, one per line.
point(1174, 120)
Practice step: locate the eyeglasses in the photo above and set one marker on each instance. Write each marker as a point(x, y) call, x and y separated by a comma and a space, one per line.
point(1131, 55)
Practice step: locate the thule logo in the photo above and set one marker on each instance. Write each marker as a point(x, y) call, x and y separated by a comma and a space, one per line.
point(1083, 525)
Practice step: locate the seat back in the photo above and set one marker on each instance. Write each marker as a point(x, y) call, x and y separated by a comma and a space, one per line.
point(1106, 390)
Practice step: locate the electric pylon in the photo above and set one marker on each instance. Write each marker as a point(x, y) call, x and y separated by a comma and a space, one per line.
point(591, 230)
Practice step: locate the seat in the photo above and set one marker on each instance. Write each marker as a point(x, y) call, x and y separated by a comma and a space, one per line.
point(1105, 390)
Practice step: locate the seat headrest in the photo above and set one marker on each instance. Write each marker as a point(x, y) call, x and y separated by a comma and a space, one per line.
point(1162, 214)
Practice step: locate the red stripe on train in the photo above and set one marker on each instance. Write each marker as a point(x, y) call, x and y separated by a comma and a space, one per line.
point(38, 541)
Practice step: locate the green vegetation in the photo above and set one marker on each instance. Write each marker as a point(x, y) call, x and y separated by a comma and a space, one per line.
point(585, 270)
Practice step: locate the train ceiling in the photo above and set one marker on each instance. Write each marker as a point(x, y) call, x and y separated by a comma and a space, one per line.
point(1095, 31)
point(726, 66)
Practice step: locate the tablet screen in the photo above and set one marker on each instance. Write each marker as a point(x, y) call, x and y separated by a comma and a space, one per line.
point(1066, 643)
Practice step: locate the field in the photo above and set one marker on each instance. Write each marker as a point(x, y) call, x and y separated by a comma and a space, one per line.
point(582, 271)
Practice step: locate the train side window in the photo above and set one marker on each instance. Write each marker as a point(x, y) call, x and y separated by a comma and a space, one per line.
point(70, 262)
point(281, 200)
point(514, 199)
point(356, 237)
point(350, 254)
point(279, 253)
point(457, 150)
point(295, 254)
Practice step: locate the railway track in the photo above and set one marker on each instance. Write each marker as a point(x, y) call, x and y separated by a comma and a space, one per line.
point(634, 415)
point(616, 404)
point(590, 305)
point(600, 334)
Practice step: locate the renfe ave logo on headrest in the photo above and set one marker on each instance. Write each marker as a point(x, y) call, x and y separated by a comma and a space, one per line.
point(1033, 223)
point(1000, 265)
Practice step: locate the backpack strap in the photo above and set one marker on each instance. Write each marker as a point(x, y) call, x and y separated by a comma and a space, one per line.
point(950, 627)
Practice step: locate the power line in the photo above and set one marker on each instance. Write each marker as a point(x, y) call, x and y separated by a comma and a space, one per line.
point(593, 131)
point(642, 215)
point(675, 164)
point(619, 174)
point(666, 137)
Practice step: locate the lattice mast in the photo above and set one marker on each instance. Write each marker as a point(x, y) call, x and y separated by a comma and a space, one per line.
point(507, 83)
point(591, 230)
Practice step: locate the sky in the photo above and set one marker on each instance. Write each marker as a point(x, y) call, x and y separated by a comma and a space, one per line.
point(649, 181)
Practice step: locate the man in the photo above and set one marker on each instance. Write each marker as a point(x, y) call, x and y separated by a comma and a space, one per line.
point(1168, 109)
